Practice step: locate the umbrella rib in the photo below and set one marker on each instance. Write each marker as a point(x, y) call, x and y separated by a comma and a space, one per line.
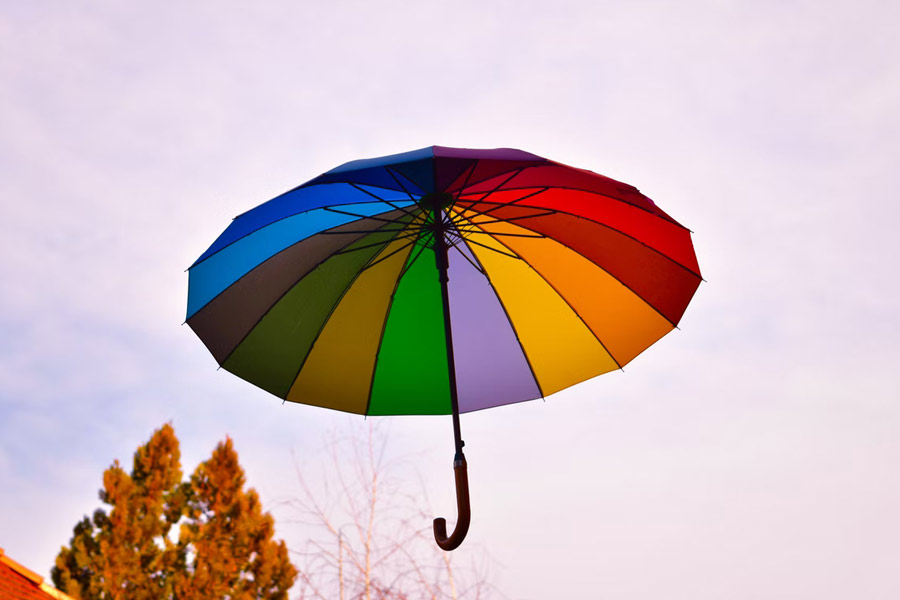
point(393, 252)
point(546, 213)
point(309, 184)
point(463, 254)
point(611, 228)
point(664, 217)
point(499, 205)
point(501, 184)
point(359, 231)
point(390, 172)
point(523, 235)
point(351, 214)
point(475, 231)
point(348, 249)
point(498, 174)
point(564, 299)
point(377, 197)
point(402, 236)
point(412, 232)
point(509, 320)
point(467, 240)
point(410, 263)
point(404, 232)
point(471, 169)
point(511, 219)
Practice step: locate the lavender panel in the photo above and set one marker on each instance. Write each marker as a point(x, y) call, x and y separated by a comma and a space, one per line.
point(490, 367)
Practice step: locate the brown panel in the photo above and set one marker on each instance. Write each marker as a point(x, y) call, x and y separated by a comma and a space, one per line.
point(227, 319)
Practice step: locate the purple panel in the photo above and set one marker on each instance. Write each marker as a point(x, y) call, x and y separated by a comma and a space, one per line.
point(490, 367)
point(447, 170)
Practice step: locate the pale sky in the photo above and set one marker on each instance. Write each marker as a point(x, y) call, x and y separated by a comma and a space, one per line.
point(754, 453)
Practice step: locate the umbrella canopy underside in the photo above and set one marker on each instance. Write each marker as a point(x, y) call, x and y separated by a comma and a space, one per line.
point(329, 294)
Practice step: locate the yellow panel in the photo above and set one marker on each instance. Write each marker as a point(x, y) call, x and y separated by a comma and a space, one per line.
point(561, 350)
point(338, 372)
point(620, 319)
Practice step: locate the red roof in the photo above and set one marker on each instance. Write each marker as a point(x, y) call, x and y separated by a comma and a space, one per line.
point(19, 583)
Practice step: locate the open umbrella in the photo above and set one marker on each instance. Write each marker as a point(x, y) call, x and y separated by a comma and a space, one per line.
point(441, 281)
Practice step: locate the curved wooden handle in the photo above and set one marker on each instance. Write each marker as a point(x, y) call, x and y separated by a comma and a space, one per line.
point(453, 541)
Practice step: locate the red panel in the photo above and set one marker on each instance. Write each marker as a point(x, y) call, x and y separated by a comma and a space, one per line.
point(560, 176)
point(663, 235)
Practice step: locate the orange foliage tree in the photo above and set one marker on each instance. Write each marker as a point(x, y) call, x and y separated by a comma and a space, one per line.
point(224, 546)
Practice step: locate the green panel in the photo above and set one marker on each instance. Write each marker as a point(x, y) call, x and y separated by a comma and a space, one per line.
point(411, 375)
point(271, 355)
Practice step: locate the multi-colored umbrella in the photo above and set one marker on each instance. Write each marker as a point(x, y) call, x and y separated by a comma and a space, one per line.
point(441, 281)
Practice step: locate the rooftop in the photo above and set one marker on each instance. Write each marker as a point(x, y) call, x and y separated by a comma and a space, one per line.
point(20, 583)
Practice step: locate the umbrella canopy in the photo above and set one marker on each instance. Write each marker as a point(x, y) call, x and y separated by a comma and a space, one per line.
point(441, 281)
point(330, 295)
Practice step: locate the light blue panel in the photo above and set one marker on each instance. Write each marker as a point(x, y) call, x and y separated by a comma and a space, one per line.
point(211, 277)
point(296, 201)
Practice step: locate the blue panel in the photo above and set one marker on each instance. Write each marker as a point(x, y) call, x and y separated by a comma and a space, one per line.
point(413, 186)
point(421, 172)
point(416, 169)
point(417, 176)
point(381, 161)
point(296, 201)
point(211, 277)
point(376, 176)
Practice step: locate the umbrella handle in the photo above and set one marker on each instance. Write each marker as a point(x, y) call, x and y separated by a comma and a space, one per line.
point(453, 541)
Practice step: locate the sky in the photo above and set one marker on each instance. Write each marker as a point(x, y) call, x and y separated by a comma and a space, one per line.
point(753, 453)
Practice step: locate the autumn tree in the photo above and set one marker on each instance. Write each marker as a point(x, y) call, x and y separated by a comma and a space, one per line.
point(164, 538)
point(368, 531)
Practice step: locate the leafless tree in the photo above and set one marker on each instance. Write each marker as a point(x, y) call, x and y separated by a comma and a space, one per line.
point(369, 532)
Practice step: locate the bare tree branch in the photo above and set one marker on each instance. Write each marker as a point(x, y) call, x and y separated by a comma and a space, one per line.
point(388, 554)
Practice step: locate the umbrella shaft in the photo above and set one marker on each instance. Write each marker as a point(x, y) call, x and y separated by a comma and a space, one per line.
point(440, 253)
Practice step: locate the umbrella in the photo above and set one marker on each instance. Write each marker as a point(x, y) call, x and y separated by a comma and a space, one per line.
point(441, 281)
